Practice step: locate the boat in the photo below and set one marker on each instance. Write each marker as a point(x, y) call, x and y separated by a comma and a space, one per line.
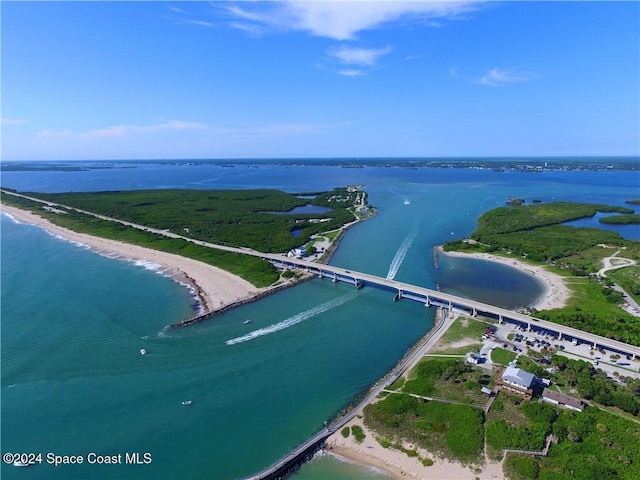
point(143, 351)
point(247, 321)
point(187, 402)
point(20, 463)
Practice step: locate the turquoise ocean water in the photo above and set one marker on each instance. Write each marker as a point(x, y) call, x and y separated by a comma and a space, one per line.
point(73, 381)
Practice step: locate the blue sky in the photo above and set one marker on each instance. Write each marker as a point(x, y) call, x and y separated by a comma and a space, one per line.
point(182, 79)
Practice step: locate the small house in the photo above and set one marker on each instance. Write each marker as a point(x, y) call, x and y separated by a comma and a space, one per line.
point(566, 401)
point(518, 381)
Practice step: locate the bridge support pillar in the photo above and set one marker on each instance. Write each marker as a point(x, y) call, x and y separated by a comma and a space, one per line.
point(335, 278)
point(500, 320)
point(474, 313)
point(528, 327)
point(428, 304)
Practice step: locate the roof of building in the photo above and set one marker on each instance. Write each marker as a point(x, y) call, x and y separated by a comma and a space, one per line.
point(518, 376)
point(562, 398)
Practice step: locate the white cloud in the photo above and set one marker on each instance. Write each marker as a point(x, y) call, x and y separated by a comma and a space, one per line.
point(343, 20)
point(503, 76)
point(122, 131)
point(12, 121)
point(205, 132)
point(353, 73)
point(358, 56)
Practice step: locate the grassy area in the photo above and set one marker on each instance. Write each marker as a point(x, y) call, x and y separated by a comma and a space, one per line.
point(463, 328)
point(629, 279)
point(591, 310)
point(461, 337)
point(503, 357)
point(449, 379)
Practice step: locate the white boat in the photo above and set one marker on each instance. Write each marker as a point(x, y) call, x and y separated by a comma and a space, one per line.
point(143, 351)
point(247, 321)
point(20, 463)
point(187, 402)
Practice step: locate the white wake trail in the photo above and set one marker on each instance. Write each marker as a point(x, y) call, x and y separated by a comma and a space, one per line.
point(399, 257)
point(300, 317)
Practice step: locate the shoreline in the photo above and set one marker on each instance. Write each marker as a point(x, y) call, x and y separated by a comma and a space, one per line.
point(556, 293)
point(212, 287)
point(370, 453)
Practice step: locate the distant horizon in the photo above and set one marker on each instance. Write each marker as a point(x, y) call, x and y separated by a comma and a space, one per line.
point(495, 158)
point(368, 79)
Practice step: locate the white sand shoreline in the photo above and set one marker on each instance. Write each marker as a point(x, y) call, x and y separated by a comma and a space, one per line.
point(556, 293)
point(213, 287)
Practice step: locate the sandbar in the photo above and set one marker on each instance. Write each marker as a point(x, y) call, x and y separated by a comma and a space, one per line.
point(213, 287)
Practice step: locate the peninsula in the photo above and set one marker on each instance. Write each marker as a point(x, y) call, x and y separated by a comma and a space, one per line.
point(268, 220)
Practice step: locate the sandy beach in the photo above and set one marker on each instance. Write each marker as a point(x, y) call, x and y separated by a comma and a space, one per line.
point(213, 286)
point(556, 292)
point(399, 465)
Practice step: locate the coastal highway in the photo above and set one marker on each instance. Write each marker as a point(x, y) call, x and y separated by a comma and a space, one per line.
point(405, 290)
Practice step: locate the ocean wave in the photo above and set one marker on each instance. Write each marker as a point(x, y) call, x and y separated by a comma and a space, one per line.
point(11, 217)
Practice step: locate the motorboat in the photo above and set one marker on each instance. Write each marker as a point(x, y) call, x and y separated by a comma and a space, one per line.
point(247, 321)
point(143, 351)
point(187, 402)
point(20, 463)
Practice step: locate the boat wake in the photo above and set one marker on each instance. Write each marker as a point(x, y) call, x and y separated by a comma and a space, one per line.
point(400, 254)
point(300, 317)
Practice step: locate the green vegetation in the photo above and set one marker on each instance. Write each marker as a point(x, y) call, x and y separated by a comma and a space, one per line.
point(500, 356)
point(258, 272)
point(502, 433)
point(592, 308)
point(507, 219)
point(345, 432)
point(621, 220)
point(449, 429)
point(453, 430)
point(629, 279)
point(463, 328)
point(520, 467)
point(358, 433)
point(592, 444)
point(592, 384)
point(535, 232)
point(239, 218)
point(443, 379)
point(236, 218)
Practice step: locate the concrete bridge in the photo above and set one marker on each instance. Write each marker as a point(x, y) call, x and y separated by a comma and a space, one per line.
point(401, 290)
point(430, 297)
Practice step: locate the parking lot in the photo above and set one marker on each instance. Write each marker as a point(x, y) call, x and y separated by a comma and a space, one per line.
point(512, 337)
